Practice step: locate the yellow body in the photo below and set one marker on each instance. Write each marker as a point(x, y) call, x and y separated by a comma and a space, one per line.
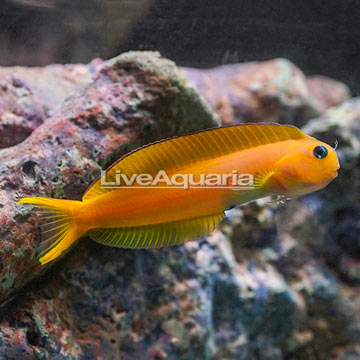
point(280, 158)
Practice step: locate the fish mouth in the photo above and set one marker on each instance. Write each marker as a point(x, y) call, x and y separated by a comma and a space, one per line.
point(335, 173)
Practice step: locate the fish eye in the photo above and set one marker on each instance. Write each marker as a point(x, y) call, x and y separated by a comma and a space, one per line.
point(320, 152)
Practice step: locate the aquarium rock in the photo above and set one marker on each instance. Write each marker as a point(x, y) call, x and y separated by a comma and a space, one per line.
point(276, 281)
point(28, 96)
point(136, 98)
point(273, 90)
point(313, 242)
point(270, 91)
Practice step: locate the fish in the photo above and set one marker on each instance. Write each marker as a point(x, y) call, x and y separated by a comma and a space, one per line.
point(201, 175)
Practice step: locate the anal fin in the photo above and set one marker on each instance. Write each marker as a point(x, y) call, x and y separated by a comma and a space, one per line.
point(158, 235)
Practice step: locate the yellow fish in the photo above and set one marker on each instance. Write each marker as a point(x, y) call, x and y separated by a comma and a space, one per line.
point(176, 190)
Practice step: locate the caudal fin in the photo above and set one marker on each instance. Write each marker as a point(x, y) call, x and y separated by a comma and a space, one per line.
point(59, 228)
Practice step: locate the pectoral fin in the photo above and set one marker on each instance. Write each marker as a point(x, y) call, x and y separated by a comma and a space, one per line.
point(263, 178)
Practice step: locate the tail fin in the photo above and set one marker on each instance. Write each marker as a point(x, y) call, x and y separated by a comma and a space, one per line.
point(59, 228)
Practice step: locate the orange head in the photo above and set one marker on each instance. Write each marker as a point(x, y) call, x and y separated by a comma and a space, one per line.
point(309, 166)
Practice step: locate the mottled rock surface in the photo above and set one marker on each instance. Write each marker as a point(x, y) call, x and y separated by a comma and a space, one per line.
point(270, 91)
point(135, 99)
point(28, 96)
point(313, 243)
point(273, 90)
point(327, 92)
point(276, 281)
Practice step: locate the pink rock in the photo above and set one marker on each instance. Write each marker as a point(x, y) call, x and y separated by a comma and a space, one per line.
point(327, 92)
point(274, 90)
point(135, 98)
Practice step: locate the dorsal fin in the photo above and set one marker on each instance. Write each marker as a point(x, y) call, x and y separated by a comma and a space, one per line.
point(176, 152)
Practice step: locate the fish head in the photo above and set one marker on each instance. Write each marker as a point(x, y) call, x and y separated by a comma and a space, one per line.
point(309, 166)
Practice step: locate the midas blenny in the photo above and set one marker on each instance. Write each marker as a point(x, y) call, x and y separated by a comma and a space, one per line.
point(281, 159)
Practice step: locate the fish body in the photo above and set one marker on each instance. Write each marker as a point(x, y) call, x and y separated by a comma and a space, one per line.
point(141, 206)
point(276, 159)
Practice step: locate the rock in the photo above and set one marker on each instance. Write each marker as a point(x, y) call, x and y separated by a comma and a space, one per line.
point(176, 303)
point(349, 266)
point(269, 91)
point(188, 302)
point(136, 98)
point(273, 90)
point(327, 92)
point(30, 95)
point(273, 282)
point(335, 209)
point(312, 243)
point(320, 230)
